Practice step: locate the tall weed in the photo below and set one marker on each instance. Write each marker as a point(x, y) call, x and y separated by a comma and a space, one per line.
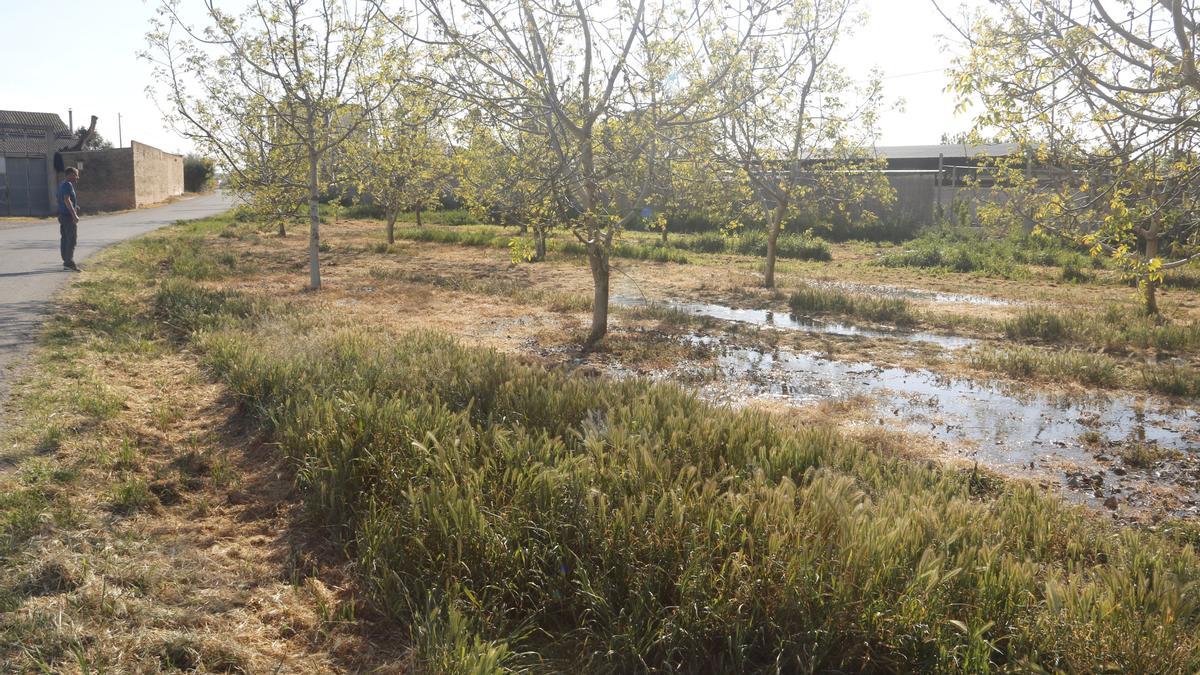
point(625, 525)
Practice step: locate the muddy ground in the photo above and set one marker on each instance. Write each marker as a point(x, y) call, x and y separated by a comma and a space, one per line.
point(708, 326)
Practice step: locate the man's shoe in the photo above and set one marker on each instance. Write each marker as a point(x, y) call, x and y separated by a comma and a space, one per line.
point(71, 266)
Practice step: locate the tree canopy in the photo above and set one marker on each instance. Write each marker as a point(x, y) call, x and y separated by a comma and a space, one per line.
point(274, 92)
point(1105, 96)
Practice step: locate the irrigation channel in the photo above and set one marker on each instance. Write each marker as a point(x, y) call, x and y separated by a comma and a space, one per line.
point(1134, 454)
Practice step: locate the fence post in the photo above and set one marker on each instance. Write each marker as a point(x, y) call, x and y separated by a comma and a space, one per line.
point(937, 215)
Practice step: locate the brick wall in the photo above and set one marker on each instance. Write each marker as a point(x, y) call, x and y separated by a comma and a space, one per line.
point(125, 178)
point(105, 179)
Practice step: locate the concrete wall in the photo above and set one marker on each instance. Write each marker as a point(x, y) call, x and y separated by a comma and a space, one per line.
point(915, 198)
point(157, 175)
point(125, 178)
point(105, 179)
point(920, 201)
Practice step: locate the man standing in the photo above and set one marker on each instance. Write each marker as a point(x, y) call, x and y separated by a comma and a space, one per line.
point(68, 218)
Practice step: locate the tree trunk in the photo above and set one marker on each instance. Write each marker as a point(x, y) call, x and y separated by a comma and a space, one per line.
point(664, 235)
point(419, 218)
point(282, 228)
point(776, 223)
point(598, 246)
point(598, 261)
point(539, 243)
point(391, 227)
point(1150, 286)
point(314, 224)
point(1149, 296)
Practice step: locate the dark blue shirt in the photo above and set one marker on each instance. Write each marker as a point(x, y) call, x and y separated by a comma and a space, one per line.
point(66, 190)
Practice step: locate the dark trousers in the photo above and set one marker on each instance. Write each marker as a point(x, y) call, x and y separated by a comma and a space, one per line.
point(67, 230)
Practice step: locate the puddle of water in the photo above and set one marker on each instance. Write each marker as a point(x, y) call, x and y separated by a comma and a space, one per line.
point(915, 293)
point(782, 320)
point(1002, 426)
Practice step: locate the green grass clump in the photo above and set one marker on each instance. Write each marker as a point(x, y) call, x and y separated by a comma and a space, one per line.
point(704, 242)
point(1038, 324)
point(496, 237)
point(1144, 456)
point(791, 245)
point(800, 247)
point(445, 642)
point(444, 217)
point(814, 300)
point(653, 253)
point(953, 258)
point(957, 249)
point(1026, 362)
point(96, 400)
point(631, 250)
point(513, 516)
point(438, 217)
point(481, 236)
point(1116, 329)
point(21, 517)
point(1172, 380)
point(666, 314)
point(187, 307)
point(188, 257)
point(130, 496)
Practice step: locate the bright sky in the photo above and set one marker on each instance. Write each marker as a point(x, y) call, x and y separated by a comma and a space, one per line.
point(82, 54)
point(903, 38)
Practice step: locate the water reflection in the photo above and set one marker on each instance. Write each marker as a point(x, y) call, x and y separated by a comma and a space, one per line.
point(1007, 424)
point(771, 319)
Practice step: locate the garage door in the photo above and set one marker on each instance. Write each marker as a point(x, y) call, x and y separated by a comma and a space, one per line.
point(24, 188)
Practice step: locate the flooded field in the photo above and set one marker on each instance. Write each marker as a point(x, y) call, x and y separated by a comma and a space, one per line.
point(1134, 453)
point(767, 318)
point(1116, 451)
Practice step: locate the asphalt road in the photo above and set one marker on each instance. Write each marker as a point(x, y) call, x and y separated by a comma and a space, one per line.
point(31, 271)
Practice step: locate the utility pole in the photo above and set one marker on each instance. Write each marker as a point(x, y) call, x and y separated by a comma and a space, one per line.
point(120, 140)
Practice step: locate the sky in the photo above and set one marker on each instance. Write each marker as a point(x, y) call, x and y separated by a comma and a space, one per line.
point(905, 40)
point(82, 55)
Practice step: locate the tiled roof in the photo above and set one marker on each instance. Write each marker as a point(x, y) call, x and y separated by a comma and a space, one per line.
point(21, 118)
point(28, 142)
point(31, 133)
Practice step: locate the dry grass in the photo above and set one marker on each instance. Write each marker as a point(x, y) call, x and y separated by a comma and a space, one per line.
point(165, 536)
